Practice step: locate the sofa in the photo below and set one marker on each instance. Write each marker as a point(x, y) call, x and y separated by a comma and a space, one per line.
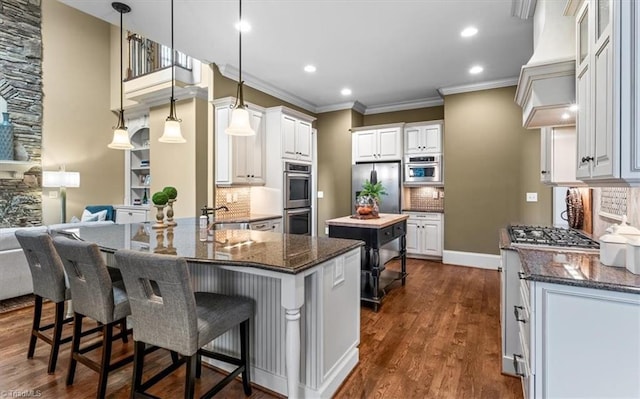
point(15, 276)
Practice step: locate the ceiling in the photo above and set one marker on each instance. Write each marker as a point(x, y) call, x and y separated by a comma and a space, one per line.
point(392, 54)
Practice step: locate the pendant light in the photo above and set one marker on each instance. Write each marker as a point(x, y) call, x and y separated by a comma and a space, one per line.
point(240, 124)
point(172, 133)
point(120, 134)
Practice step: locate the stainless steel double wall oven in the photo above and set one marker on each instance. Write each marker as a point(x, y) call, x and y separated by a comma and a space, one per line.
point(297, 198)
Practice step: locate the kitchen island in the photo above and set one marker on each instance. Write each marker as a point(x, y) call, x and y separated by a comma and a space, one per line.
point(375, 233)
point(300, 345)
point(572, 323)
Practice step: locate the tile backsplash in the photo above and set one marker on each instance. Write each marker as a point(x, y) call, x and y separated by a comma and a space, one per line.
point(600, 222)
point(423, 198)
point(237, 199)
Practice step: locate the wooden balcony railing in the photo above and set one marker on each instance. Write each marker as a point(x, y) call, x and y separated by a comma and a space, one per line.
point(146, 56)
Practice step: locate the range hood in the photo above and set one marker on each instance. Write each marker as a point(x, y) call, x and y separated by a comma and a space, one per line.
point(546, 87)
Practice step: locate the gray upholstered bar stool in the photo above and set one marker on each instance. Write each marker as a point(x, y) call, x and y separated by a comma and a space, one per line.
point(171, 316)
point(47, 275)
point(95, 296)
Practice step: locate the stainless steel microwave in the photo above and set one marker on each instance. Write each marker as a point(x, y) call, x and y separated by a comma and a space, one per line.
point(423, 170)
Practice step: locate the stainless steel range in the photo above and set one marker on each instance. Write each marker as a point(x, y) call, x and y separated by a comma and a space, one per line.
point(550, 237)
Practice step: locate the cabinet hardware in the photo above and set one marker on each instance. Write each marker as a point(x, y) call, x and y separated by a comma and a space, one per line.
point(544, 172)
point(261, 226)
point(499, 269)
point(516, 313)
point(521, 275)
point(587, 159)
point(516, 365)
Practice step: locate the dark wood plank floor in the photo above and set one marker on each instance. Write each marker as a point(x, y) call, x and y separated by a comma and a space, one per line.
point(438, 337)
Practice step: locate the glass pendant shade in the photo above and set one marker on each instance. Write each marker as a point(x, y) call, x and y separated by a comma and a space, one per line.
point(172, 133)
point(240, 125)
point(120, 135)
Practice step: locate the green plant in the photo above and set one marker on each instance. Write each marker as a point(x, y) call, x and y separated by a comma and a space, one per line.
point(160, 198)
point(171, 192)
point(373, 190)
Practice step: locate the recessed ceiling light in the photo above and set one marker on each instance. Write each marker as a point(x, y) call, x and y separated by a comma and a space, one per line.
point(565, 116)
point(476, 69)
point(345, 92)
point(309, 68)
point(573, 107)
point(468, 31)
point(243, 26)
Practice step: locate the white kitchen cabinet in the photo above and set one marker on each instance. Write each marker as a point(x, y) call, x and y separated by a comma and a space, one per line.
point(132, 214)
point(608, 129)
point(240, 160)
point(557, 154)
point(273, 225)
point(578, 342)
point(509, 300)
point(424, 234)
point(294, 131)
point(377, 143)
point(420, 138)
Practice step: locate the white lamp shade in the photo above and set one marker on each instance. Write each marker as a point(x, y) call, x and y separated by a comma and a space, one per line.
point(120, 140)
point(172, 132)
point(60, 179)
point(240, 125)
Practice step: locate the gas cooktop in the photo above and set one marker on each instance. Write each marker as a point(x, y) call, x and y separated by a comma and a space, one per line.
point(550, 237)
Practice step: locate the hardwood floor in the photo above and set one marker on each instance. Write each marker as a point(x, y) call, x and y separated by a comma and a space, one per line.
point(438, 337)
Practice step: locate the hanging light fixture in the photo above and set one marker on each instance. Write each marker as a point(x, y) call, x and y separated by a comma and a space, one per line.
point(120, 134)
point(240, 124)
point(172, 133)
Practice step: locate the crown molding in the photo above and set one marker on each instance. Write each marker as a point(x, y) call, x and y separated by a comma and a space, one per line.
point(494, 84)
point(354, 105)
point(231, 72)
point(523, 9)
point(405, 105)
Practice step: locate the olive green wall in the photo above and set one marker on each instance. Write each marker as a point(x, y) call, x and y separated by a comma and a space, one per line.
point(334, 165)
point(408, 116)
point(491, 162)
point(77, 123)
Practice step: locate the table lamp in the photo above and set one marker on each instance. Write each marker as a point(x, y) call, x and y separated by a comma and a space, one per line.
point(61, 179)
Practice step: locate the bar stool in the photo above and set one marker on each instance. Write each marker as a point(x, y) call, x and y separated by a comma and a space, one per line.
point(173, 317)
point(97, 297)
point(47, 274)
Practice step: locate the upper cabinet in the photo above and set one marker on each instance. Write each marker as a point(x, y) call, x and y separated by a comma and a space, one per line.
point(295, 131)
point(377, 143)
point(557, 154)
point(607, 65)
point(421, 138)
point(240, 160)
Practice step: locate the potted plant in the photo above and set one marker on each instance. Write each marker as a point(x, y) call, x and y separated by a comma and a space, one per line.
point(172, 194)
point(369, 199)
point(159, 200)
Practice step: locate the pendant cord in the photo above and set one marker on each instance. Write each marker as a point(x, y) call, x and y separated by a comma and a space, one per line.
point(172, 53)
point(121, 65)
point(240, 44)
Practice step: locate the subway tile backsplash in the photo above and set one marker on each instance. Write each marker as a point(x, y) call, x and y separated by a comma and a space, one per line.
point(422, 198)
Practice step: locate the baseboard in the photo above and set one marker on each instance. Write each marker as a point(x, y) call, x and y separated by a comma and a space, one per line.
point(471, 259)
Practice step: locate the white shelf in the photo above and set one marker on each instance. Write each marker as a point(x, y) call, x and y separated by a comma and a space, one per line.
point(15, 169)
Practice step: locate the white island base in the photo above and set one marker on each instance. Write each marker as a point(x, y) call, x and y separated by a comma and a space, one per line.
point(306, 330)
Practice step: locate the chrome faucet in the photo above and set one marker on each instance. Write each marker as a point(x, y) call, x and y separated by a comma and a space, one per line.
point(206, 211)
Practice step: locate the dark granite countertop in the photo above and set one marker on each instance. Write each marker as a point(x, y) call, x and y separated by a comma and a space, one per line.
point(423, 210)
point(285, 253)
point(571, 267)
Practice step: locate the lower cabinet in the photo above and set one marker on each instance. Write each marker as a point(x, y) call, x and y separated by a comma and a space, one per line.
point(425, 233)
point(131, 214)
point(578, 342)
point(273, 225)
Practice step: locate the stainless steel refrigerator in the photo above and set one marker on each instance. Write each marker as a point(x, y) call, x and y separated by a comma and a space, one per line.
point(387, 173)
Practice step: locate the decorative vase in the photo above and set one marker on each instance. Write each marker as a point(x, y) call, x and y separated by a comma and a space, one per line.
point(170, 221)
point(366, 207)
point(159, 217)
point(6, 138)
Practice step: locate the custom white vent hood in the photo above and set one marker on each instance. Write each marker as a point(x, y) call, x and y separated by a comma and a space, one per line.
point(546, 87)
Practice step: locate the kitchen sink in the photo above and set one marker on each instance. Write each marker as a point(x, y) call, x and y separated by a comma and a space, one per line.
point(228, 226)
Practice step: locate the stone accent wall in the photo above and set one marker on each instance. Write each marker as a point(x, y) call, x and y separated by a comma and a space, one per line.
point(21, 87)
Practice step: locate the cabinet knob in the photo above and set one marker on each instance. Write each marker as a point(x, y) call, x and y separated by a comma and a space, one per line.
point(544, 172)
